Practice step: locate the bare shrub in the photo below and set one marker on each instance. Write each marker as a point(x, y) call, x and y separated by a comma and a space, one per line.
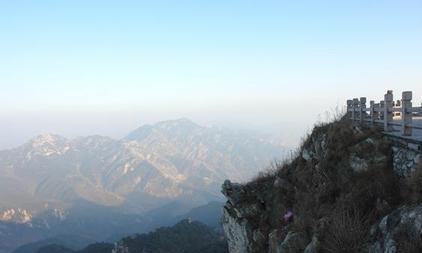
point(412, 186)
point(334, 114)
point(267, 173)
point(346, 233)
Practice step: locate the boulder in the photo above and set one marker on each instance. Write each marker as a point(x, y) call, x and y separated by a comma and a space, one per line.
point(403, 225)
point(238, 233)
point(307, 154)
point(313, 246)
point(275, 238)
point(233, 192)
point(294, 242)
point(358, 164)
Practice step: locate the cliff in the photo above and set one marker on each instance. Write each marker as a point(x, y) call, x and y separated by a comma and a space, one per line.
point(341, 193)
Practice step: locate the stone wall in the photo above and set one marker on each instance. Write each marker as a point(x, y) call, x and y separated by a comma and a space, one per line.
point(405, 161)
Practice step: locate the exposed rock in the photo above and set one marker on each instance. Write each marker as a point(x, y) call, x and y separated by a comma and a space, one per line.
point(237, 232)
point(358, 164)
point(250, 210)
point(341, 182)
point(258, 236)
point(279, 242)
point(316, 149)
point(390, 230)
point(313, 246)
point(275, 238)
point(360, 160)
point(233, 191)
point(294, 242)
point(306, 154)
point(18, 215)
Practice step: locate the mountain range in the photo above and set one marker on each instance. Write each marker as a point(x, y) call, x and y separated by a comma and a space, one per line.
point(52, 180)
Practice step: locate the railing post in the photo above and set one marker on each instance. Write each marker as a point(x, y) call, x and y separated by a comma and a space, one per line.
point(388, 113)
point(381, 111)
point(362, 107)
point(349, 107)
point(355, 108)
point(372, 112)
point(406, 113)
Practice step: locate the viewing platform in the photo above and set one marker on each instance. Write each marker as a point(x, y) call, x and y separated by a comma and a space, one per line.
point(398, 119)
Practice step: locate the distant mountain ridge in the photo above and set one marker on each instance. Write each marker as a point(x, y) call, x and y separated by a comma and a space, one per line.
point(166, 161)
point(86, 226)
point(42, 181)
point(186, 236)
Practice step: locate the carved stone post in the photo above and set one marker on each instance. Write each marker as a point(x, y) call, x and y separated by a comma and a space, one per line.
point(349, 107)
point(382, 105)
point(377, 112)
point(362, 108)
point(406, 113)
point(355, 108)
point(372, 111)
point(388, 112)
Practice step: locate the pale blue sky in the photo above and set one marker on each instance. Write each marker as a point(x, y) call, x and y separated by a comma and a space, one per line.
point(84, 67)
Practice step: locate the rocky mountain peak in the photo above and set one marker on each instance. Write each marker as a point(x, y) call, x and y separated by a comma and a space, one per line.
point(47, 145)
point(47, 139)
point(339, 194)
point(178, 123)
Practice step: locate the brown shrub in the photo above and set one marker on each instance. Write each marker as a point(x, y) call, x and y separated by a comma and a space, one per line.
point(411, 188)
point(327, 197)
point(346, 233)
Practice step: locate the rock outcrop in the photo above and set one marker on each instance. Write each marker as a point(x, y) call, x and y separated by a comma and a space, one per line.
point(236, 220)
point(402, 227)
point(341, 183)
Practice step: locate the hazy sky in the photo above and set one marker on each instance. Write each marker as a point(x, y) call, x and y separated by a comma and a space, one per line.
point(106, 67)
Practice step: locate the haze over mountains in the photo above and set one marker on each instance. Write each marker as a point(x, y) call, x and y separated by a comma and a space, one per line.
point(52, 183)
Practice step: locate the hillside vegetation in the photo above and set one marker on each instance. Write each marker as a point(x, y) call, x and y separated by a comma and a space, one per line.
point(329, 198)
point(185, 237)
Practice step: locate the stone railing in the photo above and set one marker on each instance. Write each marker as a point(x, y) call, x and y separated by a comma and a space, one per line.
point(398, 117)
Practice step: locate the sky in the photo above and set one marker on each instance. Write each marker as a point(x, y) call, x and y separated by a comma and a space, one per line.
point(106, 67)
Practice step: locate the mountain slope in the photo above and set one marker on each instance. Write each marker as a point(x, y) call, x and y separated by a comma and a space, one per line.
point(185, 237)
point(52, 180)
point(161, 162)
point(80, 229)
point(341, 193)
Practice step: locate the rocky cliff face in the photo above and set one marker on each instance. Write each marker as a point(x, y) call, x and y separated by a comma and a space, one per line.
point(340, 194)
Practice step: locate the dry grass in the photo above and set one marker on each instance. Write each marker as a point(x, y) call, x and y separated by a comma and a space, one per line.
point(412, 187)
point(327, 197)
point(347, 232)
